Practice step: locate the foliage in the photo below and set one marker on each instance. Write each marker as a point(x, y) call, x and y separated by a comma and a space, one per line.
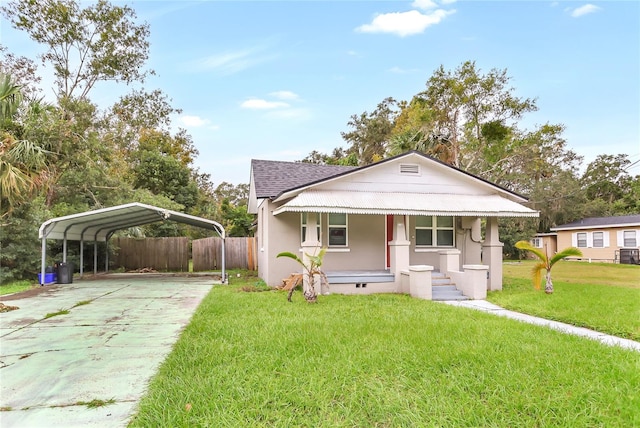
point(545, 263)
point(111, 46)
point(370, 132)
point(19, 243)
point(236, 220)
point(312, 266)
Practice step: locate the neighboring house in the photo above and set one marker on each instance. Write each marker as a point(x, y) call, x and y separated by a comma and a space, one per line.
point(380, 222)
point(611, 239)
point(548, 242)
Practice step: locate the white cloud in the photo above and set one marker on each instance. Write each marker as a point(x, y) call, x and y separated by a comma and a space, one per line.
point(260, 104)
point(584, 10)
point(429, 4)
point(424, 4)
point(404, 23)
point(284, 95)
point(193, 121)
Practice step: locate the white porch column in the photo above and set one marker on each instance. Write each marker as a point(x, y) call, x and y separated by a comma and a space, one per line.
point(492, 254)
point(311, 245)
point(399, 248)
point(420, 281)
point(449, 260)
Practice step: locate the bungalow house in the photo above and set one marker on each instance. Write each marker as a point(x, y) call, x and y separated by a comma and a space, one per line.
point(609, 239)
point(387, 226)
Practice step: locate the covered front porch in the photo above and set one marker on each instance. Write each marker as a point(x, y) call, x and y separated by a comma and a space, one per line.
point(469, 256)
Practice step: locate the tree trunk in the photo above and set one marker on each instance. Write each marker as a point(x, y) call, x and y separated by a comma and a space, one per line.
point(548, 287)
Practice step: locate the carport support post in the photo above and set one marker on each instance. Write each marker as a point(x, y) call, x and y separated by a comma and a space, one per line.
point(95, 257)
point(64, 247)
point(106, 256)
point(44, 259)
point(81, 256)
point(224, 277)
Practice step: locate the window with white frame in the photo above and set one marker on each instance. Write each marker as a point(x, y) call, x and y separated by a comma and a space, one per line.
point(303, 227)
point(536, 242)
point(598, 239)
point(629, 238)
point(581, 239)
point(432, 231)
point(337, 230)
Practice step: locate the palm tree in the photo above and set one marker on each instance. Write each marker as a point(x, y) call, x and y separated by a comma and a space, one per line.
point(311, 269)
point(10, 97)
point(22, 163)
point(545, 263)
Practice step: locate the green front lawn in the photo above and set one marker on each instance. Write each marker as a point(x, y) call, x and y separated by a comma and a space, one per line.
point(600, 296)
point(252, 359)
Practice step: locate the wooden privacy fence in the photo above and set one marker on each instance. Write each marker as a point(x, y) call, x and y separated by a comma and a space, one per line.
point(161, 254)
point(240, 254)
point(172, 254)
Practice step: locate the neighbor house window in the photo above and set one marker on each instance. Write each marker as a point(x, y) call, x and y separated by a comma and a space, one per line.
point(337, 230)
point(432, 231)
point(582, 239)
point(303, 226)
point(598, 239)
point(629, 238)
point(536, 242)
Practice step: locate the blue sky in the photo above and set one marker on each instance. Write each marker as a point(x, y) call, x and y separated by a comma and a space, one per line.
point(278, 79)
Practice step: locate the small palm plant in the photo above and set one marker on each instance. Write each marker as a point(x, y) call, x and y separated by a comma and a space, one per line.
point(545, 263)
point(311, 269)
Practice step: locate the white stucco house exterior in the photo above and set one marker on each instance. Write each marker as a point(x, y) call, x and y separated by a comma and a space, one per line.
point(391, 226)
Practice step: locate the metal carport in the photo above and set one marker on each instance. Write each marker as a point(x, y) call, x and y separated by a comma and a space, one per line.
point(99, 225)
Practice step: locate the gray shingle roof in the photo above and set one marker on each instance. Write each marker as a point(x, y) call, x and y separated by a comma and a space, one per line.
point(271, 178)
point(601, 221)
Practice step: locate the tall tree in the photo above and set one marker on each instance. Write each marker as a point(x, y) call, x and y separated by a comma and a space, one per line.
point(463, 101)
point(371, 131)
point(101, 42)
point(606, 177)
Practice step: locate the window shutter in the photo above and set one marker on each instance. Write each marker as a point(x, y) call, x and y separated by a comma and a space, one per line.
point(589, 239)
point(620, 239)
point(605, 239)
point(574, 239)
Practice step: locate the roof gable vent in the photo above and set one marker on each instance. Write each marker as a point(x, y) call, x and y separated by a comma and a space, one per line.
point(409, 169)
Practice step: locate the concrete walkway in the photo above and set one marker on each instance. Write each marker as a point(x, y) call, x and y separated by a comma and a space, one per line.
point(483, 305)
point(117, 333)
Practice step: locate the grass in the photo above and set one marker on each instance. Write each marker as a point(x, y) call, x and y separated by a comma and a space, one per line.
point(55, 314)
point(255, 360)
point(15, 287)
point(95, 403)
point(600, 296)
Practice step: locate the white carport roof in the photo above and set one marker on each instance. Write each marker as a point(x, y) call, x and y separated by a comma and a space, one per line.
point(100, 224)
point(353, 202)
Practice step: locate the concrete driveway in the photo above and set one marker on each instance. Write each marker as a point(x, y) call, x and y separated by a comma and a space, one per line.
point(118, 331)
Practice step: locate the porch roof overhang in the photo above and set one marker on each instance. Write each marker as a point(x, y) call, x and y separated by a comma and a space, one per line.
point(384, 203)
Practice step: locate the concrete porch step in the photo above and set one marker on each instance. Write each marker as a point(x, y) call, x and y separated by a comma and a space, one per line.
point(446, 292)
